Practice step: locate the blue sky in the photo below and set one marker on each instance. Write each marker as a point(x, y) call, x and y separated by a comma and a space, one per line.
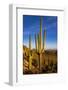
point(31, 25)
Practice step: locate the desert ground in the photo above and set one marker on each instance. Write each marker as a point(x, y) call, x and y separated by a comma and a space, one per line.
point(35, 63)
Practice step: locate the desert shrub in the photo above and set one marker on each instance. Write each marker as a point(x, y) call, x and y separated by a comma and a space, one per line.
point(34, 62)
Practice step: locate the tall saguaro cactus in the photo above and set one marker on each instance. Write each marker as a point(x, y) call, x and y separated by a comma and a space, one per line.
point(30, 60)
point(36, 42)
point(40, 34)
